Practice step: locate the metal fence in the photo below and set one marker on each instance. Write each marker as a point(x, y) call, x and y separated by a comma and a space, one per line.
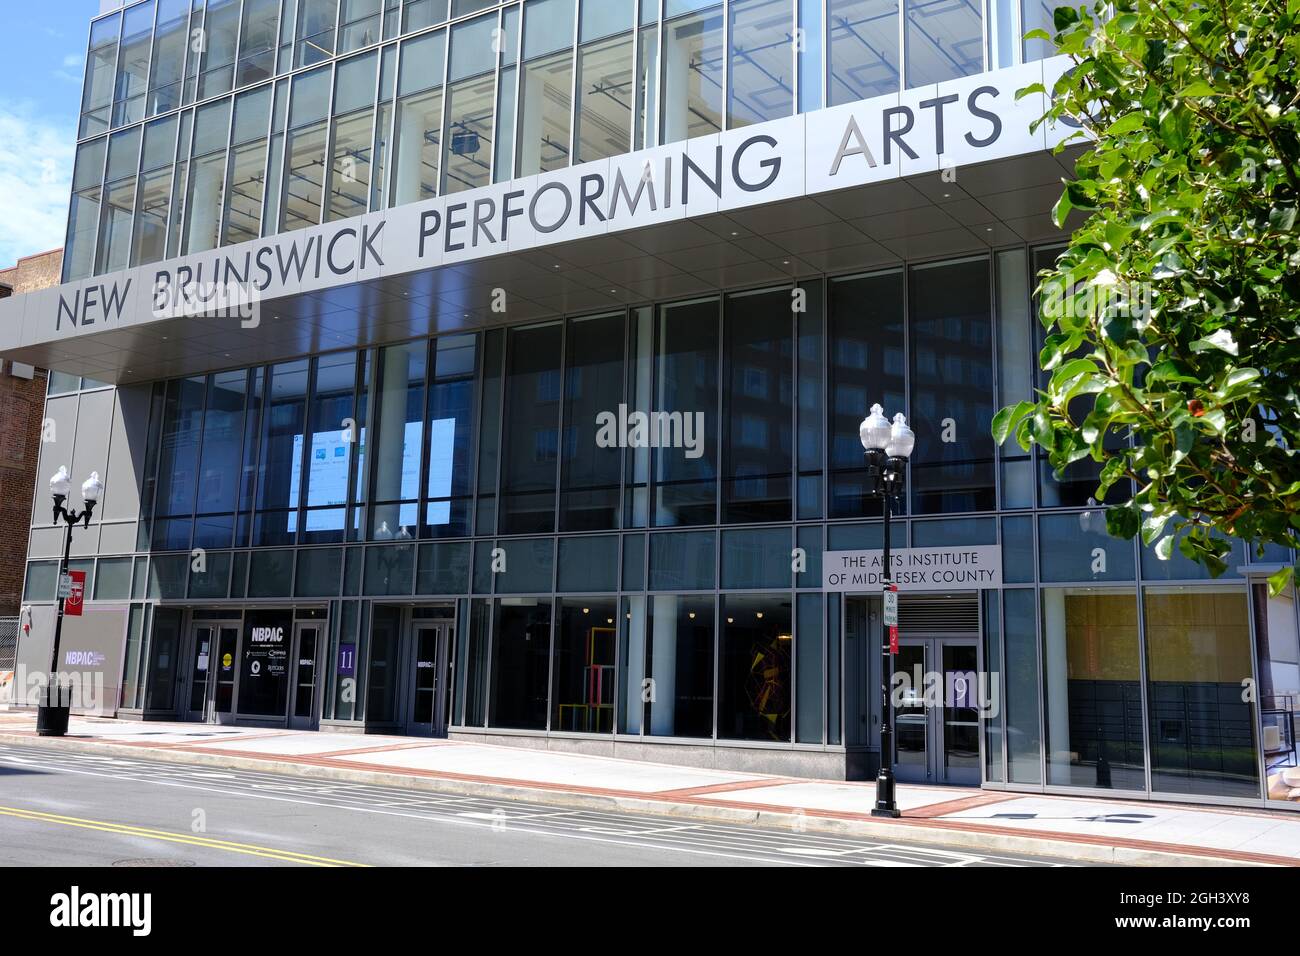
point(8, 656)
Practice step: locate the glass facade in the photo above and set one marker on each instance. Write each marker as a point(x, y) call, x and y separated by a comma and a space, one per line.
point(394, 101)
point(625, 512)
point(672, 589)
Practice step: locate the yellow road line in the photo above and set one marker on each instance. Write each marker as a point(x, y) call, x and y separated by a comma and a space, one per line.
point(124, 829)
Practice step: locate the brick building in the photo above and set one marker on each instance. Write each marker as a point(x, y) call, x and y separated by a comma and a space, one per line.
point(22, 403)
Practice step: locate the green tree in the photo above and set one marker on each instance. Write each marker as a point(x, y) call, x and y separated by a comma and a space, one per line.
point(1173, 316)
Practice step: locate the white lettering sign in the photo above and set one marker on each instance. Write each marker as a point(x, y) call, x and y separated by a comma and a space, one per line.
point(915, 569)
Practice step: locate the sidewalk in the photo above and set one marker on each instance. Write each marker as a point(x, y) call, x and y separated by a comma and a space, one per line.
point(1128, 832)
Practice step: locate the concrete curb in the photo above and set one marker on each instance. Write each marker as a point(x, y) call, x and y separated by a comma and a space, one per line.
point(929, 832)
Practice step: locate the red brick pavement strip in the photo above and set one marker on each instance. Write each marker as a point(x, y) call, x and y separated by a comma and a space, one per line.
point(913, 820)
point(946, 807)
point(726, 787)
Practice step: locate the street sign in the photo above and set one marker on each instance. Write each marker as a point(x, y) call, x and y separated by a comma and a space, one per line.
point(893, 640)
point(65, 586)
point(76, 593)
point(891, 606)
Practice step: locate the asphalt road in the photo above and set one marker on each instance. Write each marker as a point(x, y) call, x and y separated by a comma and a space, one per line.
point(74, 809)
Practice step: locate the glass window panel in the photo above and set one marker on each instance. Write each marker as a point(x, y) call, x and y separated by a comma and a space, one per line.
point(952, 388)
point(634, 562)
point(1018, 550)
point(994, 729)
point(206, 177)
point(257, 41)
point(418, 130)
point(350, 170)
point(863, 49)
point(546, 102)
point(504, 159)
point(113, 251)
point(632, 661)
point(645, 125)
point(682, 561)
point(316, 20)
point(472, 655)
point(490, 430)
point(159, 144)
point(450, 423)
point(1016, 362)
point(590, 456)
point(397, 444)
point(443, 568)
point(588, 564)
point(179, 447)
point(329, 457)
point(470, 106)
point(548, 26)
point(113, 579)
point(1077, 547)
point(419, 14)
point(42, 581)
point(756, 558)
point(167, 573)
point(692, 75)
point(384, 664)
point(1178, 567)
point(1202, 731)
point(133, 64)
point(757, 447)
point(810, 673)
point(359, 24)
point(1092, 689)
point(101, 63)
point(304, 177)
point(866, 367)
point(220, 35)
point(756, 685)
point(1024, 746)
point(1037, 15)
point(945, 40)
point(280, 461)
point(318, 572)
point(585, 646)
point(171, 39)
point(211, 578)
point(521, 651)
point(812, 65)
point(527, 566)
point(955, 532)
point(163, 646)
point(222, 443)
point(811, 401)
point(809, 538)
point(604, 113)
point(685, 459)
point(761, 81)
point(389, 568)
point(84, 210)
point(679, 661)
point(530, 449)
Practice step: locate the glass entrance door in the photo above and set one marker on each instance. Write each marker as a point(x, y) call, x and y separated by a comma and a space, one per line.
point(936, 711)
point(214, 651)
point(303, 712)
point(201, 673)
point(429, 699)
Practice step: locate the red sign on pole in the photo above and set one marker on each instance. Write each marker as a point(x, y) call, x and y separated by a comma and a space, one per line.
point(76, 593)
point(893, 639)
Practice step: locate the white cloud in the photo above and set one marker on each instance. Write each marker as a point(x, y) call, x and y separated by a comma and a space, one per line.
point(36, 155)
point(71, 70)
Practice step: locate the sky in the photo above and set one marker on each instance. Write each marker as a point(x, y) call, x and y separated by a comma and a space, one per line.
point(42, 61)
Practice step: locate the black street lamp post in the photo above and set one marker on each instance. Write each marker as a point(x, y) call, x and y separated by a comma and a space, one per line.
point(888, 448)
point(52, 715)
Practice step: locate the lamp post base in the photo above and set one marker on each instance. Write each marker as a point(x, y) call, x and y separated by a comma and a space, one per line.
point(52, 715)
point(886, 805)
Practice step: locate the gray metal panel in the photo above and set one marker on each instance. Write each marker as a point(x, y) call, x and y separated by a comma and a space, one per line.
point(125, 473)
point(58, 438)
point(118, 538)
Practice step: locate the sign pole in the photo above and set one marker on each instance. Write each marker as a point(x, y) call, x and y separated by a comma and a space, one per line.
point(886, 804)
